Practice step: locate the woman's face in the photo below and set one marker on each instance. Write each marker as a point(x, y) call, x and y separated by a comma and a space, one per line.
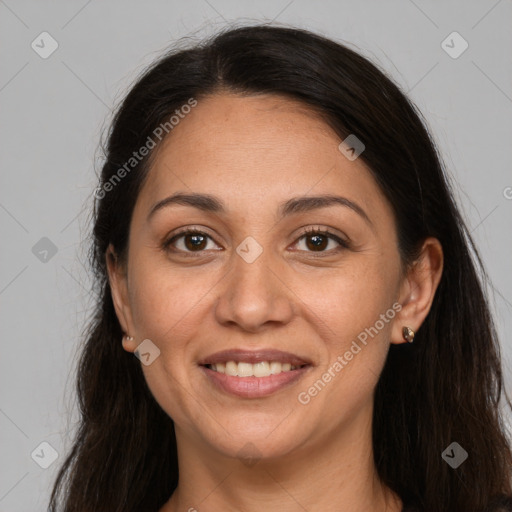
point(254, 286)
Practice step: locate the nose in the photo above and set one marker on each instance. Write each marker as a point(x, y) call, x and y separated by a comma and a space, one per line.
point(255, 295)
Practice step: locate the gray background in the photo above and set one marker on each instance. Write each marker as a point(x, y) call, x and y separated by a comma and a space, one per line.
point(53, 111)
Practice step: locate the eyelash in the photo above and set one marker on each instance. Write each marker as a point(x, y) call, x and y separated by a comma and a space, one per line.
point(344, 244)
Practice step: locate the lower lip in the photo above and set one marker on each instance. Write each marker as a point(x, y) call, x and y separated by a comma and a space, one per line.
point(254, 387)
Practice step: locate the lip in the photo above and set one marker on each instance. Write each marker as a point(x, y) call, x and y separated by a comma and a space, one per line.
point(253, 387)
point(254, 356)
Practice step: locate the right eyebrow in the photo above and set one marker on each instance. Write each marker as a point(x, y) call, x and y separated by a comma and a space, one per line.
point(204, 202)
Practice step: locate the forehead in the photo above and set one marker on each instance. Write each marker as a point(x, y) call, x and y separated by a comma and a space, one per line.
point(256, 150)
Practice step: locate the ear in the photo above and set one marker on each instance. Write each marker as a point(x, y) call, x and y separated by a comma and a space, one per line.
point(118, 280)
point(418, 289)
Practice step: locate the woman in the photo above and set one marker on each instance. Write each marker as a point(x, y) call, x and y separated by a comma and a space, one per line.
point(276, 242)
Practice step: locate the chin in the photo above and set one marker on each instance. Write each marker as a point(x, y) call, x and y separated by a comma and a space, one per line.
point(253, 439)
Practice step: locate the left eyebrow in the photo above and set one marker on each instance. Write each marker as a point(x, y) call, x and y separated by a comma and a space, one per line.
point(209, 203)
point(309, 203)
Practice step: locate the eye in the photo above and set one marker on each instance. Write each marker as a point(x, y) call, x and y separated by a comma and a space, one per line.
point(317, 240)
point(192, 240)
point(188, 240)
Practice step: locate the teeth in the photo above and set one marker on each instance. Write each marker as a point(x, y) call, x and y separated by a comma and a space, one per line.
point(231, 368)
point(245, 370)
point(275, 367)
point(261, 369)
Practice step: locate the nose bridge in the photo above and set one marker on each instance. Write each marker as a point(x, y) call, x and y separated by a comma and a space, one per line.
point(253, 294)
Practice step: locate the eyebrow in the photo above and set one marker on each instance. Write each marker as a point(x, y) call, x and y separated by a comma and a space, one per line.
point(211, 204)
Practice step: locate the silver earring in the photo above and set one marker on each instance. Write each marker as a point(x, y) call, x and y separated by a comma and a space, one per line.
point(408, 334)
point(129, 338)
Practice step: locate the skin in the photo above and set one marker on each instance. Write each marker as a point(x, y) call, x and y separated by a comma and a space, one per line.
point(254, 153)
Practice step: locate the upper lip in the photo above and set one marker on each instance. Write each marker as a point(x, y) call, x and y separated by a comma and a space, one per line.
point(254, 356)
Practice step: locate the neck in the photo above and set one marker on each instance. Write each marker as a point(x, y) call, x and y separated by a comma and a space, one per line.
point(337, 474)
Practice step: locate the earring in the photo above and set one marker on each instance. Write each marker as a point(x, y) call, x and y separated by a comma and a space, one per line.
point(408, 334)
point(129, 338)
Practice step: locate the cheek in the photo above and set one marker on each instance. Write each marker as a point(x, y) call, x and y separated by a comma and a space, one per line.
point(167, 309)
point(349, 302)
point(355, 311)
point(164, 299)
point(169, 306)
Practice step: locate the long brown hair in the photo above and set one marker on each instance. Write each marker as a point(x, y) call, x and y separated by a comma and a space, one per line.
point(445, 387)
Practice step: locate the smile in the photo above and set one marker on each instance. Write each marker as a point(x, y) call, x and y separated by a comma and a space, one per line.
point(253, 373)
point(260, 369)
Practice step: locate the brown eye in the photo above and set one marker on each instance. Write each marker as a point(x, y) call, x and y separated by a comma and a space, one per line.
point(194, 241)
point(190, 240)
point(318, 241)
